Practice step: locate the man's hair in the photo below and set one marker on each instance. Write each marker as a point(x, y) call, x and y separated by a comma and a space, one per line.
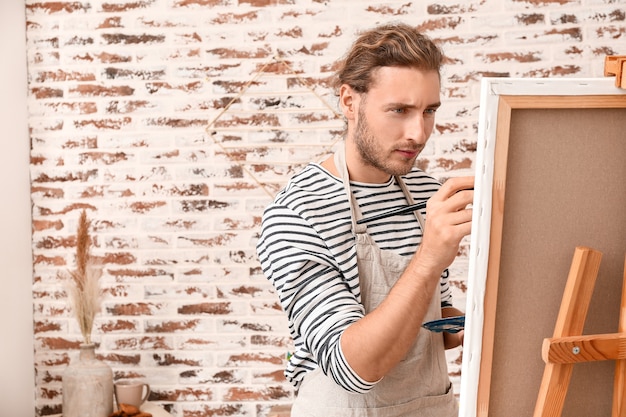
point(392, 45)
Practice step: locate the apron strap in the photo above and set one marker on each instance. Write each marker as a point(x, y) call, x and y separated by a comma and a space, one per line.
point(355, 211)
point(409, 199)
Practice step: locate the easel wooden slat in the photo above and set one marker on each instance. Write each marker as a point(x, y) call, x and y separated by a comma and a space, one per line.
point(578, 291)
point(615, 65)
point(570, 322)
point(578, 349)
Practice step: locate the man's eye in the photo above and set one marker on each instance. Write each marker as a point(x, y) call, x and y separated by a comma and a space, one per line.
point(399, 110)
point(430, 111)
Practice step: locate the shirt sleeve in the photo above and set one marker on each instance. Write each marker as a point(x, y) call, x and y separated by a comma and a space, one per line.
point(319, 303)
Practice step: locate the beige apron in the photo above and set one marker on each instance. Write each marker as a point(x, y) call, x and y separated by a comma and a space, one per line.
point(419, 385)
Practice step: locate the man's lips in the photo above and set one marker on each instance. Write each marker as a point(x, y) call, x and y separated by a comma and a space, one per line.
point(408, 153)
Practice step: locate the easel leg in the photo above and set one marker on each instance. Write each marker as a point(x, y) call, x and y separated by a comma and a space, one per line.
point(553, 390)
point(619, 386)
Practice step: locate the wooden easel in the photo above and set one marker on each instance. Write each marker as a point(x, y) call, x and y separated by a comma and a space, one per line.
point(568, 345)
point(616, 65)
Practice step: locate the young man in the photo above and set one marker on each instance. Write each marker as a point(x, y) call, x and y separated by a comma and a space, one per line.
point(357, 292)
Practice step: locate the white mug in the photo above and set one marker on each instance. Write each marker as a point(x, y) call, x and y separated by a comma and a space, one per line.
point(131, 392)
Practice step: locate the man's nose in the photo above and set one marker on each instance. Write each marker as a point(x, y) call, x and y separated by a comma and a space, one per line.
point(417, 130)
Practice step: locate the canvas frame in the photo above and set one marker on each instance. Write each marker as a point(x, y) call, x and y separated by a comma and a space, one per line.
point(500, 99)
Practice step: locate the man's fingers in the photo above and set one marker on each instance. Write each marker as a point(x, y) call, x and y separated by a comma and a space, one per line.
point(455, 194)
point(454, 185)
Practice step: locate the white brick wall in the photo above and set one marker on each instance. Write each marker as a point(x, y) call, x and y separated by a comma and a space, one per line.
point(130, 119)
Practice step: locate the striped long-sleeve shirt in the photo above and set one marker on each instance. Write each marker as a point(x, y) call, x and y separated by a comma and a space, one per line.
point(307, 251)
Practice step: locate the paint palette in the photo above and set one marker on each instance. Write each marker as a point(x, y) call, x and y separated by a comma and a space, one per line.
point(449, 324)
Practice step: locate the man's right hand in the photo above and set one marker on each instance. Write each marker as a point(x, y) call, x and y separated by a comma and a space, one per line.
point(448, 221)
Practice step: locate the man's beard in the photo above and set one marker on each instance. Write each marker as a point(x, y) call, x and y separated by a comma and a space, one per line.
point(372, 153)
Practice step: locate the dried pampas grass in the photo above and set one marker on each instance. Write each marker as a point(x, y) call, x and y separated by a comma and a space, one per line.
point(83, 284)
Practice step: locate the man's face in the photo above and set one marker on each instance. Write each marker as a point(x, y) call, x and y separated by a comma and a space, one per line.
point(393, 122)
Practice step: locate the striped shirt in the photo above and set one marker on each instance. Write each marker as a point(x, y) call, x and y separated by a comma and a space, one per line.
point(307, 251)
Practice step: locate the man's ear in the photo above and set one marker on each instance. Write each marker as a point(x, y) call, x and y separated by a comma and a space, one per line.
point(348, 100)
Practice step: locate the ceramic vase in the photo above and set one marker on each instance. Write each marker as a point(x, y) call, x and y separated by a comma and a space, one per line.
point(87, 386)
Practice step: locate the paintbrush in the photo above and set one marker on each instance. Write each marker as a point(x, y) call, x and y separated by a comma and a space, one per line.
point(400, 210)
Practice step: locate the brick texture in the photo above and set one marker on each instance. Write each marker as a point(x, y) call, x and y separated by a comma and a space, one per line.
point(173, 123)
